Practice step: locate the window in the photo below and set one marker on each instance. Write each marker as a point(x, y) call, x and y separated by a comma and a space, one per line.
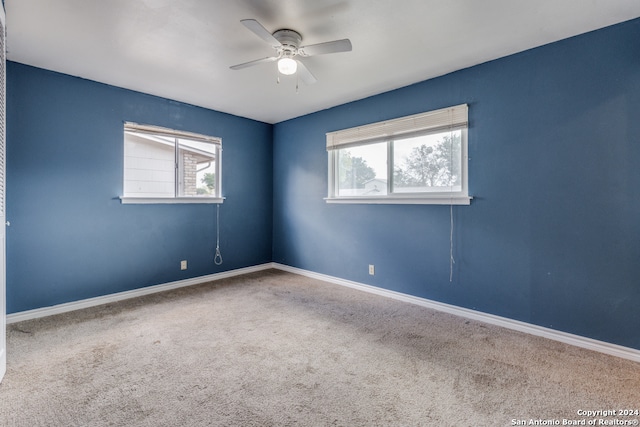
point(167, 166)
point(419, 159)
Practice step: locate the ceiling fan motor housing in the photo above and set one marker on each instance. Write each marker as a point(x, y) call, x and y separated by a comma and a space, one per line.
point(289, 37)
point(290, 41)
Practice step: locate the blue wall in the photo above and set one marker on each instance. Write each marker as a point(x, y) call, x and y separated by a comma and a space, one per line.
point(70, 237)
point(552, 236)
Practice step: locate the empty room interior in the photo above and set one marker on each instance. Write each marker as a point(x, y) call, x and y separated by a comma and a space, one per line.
point(336, 212)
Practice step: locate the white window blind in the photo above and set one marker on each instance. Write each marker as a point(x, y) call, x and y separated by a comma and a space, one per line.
point(157, 130)
point(432, 121)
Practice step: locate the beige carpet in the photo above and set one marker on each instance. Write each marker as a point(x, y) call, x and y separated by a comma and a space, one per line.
point(277, 349)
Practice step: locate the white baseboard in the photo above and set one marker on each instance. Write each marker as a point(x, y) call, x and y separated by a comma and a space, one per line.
point(575, 340)
point(92, 302)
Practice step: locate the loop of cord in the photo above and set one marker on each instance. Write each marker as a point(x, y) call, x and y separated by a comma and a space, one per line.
point(218, 258)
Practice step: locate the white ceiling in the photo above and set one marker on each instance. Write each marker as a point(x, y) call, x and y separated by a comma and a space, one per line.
point(182, 49)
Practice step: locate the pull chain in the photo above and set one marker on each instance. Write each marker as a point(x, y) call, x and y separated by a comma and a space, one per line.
point(217, 259)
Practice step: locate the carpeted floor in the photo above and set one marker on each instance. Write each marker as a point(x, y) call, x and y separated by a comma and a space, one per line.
point(277, 349)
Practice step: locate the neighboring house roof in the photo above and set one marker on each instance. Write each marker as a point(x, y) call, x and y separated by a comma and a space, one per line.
point(202, 156)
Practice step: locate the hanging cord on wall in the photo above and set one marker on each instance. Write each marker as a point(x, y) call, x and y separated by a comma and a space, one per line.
point(451, 258)
point(217, 259)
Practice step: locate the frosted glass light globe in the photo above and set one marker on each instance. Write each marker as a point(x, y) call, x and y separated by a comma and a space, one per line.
point(287, 66)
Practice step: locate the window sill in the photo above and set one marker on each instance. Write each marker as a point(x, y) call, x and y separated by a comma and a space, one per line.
point(398, 200)
point(169, 200)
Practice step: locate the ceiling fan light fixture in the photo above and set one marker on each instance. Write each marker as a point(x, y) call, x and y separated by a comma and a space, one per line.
point(287, 47)
point(287, 66)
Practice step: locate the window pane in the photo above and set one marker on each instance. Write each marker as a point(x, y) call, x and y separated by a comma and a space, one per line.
point(149, 169)
point(150, 166)
point(428, 163)
point(196, 168)
point(362, 171)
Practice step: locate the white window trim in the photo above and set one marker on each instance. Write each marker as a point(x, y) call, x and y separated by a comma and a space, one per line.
point(157, 130)
point(403, 200)
point(169, 200)
point(455, 117)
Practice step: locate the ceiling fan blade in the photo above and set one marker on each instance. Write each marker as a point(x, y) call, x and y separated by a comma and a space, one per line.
point(305, 75)
point(255, 62)
point(335, 46)
point(261, 32)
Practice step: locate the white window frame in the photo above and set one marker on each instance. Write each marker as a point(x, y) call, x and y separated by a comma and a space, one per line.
point(451, 118)
point(176, 199)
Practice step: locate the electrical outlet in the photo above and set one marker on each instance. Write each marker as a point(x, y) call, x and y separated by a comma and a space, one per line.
point(183, 265)
point(372, 269)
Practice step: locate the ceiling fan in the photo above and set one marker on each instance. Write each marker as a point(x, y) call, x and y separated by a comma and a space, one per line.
point(287, 46)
